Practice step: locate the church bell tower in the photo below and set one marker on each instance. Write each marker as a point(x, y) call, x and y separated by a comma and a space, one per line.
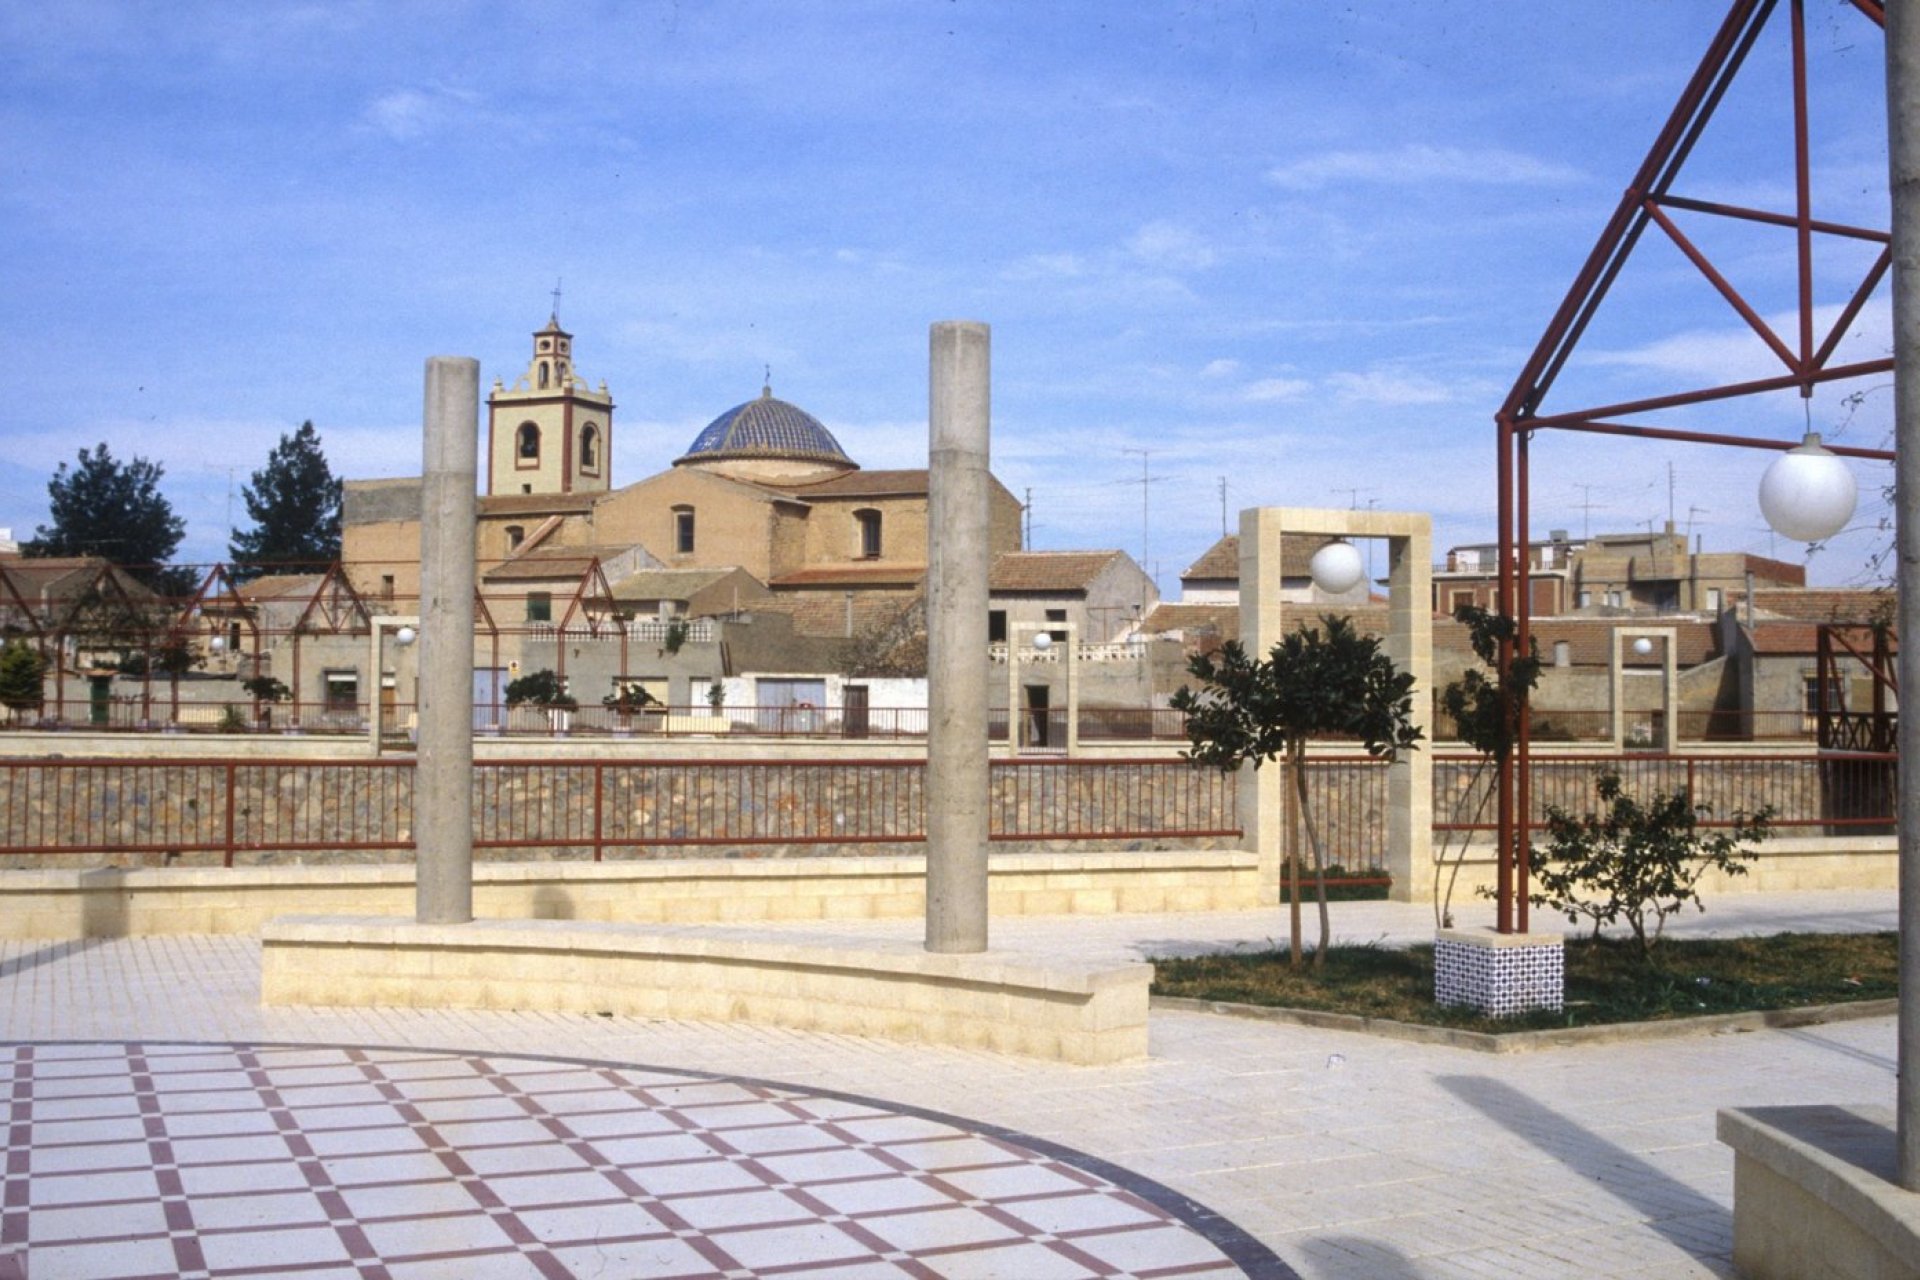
point(548, 433)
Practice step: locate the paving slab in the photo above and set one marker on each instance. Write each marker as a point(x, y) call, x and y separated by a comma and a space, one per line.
point(1342, 1154)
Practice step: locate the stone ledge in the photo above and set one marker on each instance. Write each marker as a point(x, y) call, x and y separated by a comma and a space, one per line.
point(1532, 1041)
point(1029, 1004)
point(1814, 1193)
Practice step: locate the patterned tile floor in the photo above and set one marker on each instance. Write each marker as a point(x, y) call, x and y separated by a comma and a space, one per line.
point(156, 1160)
point(1349, 1156)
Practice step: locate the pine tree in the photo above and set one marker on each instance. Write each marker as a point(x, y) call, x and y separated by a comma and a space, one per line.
point(113, 510)
point(295, 504)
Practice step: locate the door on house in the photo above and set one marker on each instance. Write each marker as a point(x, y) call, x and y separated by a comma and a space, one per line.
point(99, 699)
point(1038, 717)
point(489, 692)
point(790, 706)
point(853, 711)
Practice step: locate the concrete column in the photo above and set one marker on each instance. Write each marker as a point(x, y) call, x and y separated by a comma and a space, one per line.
point(1903, 166)
point(443, 778)
point(1262, 815)
point(957, 563)
point(1410, 645)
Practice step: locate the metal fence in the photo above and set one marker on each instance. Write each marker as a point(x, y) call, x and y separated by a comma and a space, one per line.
point(583, 808)
point(1835, 793)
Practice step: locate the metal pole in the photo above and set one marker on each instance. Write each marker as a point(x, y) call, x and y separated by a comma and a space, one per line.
point(957, 561)
point(443, 776)
point(1903, 164)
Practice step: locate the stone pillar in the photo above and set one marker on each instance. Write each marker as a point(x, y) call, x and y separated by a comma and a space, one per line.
point(1410, 645)
point(1262, 814)
point(443, 778)
point(957, 562)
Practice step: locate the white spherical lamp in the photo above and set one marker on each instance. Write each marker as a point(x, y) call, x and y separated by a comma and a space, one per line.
point(1643, 646)
point(406, 636)
point(1043, 641)
point(1808, 494)
point(1337, 568)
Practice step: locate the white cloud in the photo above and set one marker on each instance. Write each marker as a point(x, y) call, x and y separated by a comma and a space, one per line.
point(1164, 244)
point(1269, 390)
point(1220, 368)
point(1379, 386)
point(1735, 353)
point(407, 115)
point(1417, 162)
point(1046, 266)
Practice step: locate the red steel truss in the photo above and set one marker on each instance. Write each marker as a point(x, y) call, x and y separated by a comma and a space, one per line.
point(1804, 355)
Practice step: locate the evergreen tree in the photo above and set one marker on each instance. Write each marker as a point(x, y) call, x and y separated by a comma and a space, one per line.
point(295, 504)
point(23, 674)
point(113, 510)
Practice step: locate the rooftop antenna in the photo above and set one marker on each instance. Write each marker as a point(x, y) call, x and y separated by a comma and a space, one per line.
point(1587, 506)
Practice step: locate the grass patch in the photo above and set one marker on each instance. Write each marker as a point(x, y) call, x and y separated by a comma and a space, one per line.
point(1606, 980)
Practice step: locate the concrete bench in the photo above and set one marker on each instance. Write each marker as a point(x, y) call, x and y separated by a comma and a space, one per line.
point(1814, 1195)
point(1036, 1006)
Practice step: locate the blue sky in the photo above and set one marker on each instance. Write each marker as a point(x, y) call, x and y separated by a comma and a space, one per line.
point(1301, 250)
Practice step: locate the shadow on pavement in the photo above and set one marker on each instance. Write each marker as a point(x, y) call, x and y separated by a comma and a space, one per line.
point(1671, 1207)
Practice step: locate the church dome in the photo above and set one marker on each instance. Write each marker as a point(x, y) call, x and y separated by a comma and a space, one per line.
point(767, 429)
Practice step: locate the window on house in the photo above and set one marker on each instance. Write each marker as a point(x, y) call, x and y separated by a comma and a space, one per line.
point(516, 534)
point(527, 442)
point(1586, 599)
point(539, 606)
point(996, 626)
point(1714, 600)
point(589, 448)
point(1059, 617)
point(869, 523)
point(386, 586)
point(342, 691)
point(1614, 600)
point(1562, 653)
point(543, 374)
point(683, 530)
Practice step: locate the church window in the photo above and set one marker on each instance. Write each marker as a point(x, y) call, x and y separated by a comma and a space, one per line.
point(869, 523)
point(683, 530)
point(543, 375)
point(589, 448)
point(527, 443)
point(516, 534)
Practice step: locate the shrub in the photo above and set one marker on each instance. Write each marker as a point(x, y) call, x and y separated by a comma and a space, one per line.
point(1637, 863)
point(541, 689)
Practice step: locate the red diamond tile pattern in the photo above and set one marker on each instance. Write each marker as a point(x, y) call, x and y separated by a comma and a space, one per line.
point(150, 1161)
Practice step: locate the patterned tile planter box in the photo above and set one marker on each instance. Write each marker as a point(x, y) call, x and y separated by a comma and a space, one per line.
point(1499, 974)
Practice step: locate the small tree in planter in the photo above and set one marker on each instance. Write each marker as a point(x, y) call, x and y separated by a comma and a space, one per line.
point(266, 690)
point(626, 700)
point(542, 689)
point(1309, 686)
point(23, 677)
point(1634, 862)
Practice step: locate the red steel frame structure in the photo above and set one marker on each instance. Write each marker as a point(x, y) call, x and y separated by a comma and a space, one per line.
point(1806, 361)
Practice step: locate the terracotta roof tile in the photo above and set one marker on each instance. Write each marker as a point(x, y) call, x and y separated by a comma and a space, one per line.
point(1221, 562)
point(855, 574)
point(862, 484)
point(1047, 570)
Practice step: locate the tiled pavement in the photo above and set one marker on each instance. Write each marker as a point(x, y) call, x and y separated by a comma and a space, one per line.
point(162, 1123)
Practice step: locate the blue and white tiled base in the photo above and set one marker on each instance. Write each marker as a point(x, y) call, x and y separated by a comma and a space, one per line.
point(1499, 974)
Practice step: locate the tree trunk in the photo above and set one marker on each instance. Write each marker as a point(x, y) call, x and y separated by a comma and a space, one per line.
point(1293, 875)
point(1299, 754)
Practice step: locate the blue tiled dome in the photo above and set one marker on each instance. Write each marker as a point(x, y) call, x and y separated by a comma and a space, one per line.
point(766, 428)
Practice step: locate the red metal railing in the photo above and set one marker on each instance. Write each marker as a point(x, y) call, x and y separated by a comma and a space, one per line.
point(584, 807)
point(1851, 793)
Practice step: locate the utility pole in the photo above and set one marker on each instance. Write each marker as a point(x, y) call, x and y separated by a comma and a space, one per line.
point(1026, 509)
point(1223, 506)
